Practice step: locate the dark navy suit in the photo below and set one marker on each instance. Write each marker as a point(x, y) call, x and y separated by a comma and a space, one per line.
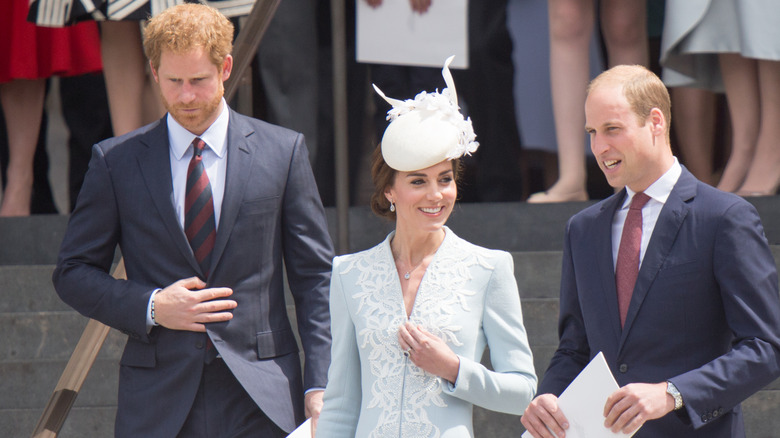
point(271, 213)
point(704, 312)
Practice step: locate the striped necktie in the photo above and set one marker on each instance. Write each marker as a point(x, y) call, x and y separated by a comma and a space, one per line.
point(199, 221)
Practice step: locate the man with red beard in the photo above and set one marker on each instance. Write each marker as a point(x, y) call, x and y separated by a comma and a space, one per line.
point(206, 205)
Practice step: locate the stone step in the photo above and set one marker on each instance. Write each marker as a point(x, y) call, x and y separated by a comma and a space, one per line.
point(28, 288)
point(83, 422)
point(31, 240)
point(36, 336)
point(538, 273)
point(512, 226)
point(28, 385)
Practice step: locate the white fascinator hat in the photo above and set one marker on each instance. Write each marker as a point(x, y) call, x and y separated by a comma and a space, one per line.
point(426, 130)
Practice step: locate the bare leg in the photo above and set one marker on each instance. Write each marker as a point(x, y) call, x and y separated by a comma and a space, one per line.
point(624, 27)
point(763, 177)
point(694, 129)
point(131, 100)
point(22, 102)
point(571, 25)
point(740, 76)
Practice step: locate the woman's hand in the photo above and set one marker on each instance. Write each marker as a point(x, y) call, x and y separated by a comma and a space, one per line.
point(429, 352)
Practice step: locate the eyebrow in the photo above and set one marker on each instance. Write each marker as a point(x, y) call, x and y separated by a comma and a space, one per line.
point(416, 175)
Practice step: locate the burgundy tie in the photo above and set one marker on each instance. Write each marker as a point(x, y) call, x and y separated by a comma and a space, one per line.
point(199, 222)
point(627, 267)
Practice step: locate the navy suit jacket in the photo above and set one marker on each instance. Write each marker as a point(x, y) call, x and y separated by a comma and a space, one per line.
point(271, 213)
point(704, 313)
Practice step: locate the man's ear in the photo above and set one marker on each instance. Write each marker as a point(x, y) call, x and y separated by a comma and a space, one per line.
point(657, 121)
point(227, 67)
point(154, 72)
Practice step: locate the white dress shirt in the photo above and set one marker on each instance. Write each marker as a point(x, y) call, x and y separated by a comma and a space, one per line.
point(658, 192)
point(214, 160)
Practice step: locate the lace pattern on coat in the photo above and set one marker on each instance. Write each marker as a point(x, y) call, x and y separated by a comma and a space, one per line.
point(401, 390)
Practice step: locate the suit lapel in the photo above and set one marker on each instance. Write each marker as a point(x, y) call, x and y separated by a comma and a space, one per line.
point(155, 166)
point(239, 167)
point(664, 235)
point(605, 260)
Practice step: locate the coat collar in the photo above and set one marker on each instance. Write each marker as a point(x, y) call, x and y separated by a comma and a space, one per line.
point(671, 218)
point(155, 165)
point(239, 167)
point(154, 161)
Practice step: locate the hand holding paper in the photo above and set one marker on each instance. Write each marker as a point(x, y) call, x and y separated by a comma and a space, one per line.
point(630, 406)
point(582, 404)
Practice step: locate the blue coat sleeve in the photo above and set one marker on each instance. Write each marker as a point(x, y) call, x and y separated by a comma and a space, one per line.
point(511, 385)
point(746, 274)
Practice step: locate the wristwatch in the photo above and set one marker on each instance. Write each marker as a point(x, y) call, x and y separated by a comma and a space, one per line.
point(672, 390)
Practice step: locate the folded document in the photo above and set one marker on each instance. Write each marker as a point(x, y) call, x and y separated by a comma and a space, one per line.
point(583, 401)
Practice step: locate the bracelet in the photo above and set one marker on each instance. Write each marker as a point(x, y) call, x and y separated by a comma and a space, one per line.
point(152, 312)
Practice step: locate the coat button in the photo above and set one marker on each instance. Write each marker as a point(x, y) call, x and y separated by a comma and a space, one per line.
point(199, 345)
point(623, 368)
point(703, 418)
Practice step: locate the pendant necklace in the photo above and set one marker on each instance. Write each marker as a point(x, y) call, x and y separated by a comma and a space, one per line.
point(408, 274)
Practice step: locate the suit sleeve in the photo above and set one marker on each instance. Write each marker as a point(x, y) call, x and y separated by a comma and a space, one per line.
point(308, 253)
point(81, 277)
point(573, 352)
point(511, 386)
point(343, 395)
point(746, 275)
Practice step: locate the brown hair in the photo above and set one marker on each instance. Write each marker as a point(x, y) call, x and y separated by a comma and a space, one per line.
point(185, 27)
point(642, 88)
point(383, 177)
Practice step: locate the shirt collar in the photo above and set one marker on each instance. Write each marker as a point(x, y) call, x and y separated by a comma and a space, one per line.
point(215, 136)
point(661, 188)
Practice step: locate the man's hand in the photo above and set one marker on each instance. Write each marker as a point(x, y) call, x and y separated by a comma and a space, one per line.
point(429, 352)
point(630, 406)
point(420, 6)
point(543, 413)
point(313, 404)
point(185, 305)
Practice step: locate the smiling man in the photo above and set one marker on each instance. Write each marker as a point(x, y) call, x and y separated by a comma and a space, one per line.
point(670, 278)
point(206, 206)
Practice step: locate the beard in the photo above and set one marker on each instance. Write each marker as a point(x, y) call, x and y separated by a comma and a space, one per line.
point(200, 120)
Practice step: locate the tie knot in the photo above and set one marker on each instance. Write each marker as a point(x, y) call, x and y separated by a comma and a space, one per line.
point(639, 201)
point(198, 145)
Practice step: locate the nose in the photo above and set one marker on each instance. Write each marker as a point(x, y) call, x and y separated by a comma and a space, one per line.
point(435, 193)
point(597, 144)
point(187, 94)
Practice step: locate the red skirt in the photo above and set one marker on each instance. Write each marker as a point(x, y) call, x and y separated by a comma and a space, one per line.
point(31, 52)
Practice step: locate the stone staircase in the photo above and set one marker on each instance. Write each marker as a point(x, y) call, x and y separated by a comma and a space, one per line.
point(40, 332)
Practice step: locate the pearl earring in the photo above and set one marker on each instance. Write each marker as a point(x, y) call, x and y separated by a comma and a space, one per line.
point(392, 206)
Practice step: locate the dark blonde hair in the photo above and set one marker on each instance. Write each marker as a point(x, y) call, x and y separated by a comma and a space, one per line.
point(383, 177)
point(185, 27)
point(642, 88)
